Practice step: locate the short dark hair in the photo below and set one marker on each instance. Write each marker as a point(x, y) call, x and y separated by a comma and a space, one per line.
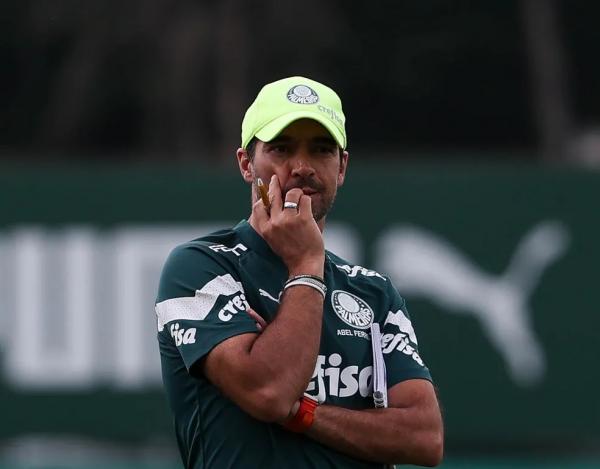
point(251, 148)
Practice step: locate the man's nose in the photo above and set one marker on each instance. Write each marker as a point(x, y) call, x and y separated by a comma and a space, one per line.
point(302, 166)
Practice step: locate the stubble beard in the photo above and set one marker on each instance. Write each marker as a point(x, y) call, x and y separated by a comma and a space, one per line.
point(320, 211)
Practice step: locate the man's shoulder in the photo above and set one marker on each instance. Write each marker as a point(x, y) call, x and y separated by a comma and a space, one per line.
point(357, 272)
point(225, 242)
point(198, 262)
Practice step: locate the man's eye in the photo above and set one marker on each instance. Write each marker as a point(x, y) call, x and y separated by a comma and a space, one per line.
point(279, 148)
point(325, 149)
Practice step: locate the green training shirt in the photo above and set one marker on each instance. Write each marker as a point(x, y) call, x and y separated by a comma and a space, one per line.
point(205, 287)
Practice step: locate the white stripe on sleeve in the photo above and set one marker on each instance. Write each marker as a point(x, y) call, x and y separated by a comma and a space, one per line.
point(196, 307)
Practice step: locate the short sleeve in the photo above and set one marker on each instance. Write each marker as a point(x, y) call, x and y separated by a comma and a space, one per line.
point(200, 303)
point(400, 344)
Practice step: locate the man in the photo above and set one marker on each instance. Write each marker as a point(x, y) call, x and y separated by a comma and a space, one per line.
point(264, 336)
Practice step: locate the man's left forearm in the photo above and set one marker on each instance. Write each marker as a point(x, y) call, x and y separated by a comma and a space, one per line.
point(411, 435)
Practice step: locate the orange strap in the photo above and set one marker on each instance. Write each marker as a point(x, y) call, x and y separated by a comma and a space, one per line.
point(304, 416)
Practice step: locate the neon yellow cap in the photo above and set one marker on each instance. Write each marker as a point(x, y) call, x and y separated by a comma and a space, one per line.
point(282, 102)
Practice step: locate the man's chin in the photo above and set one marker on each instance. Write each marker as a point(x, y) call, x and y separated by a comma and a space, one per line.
point(320, 207)
point(318, 216)
point(320, 212)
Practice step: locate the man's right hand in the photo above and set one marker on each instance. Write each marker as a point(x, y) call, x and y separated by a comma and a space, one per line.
point(292, 234)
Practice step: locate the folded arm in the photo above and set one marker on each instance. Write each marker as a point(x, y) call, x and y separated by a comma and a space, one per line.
point(408, 432)
point(254, 370)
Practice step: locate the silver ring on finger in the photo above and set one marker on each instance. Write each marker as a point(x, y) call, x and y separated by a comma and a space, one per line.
point(293, 205)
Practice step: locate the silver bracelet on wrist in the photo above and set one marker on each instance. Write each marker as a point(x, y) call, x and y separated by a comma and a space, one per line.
point(308, 281)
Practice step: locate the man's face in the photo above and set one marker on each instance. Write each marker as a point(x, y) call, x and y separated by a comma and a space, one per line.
point(303, 155)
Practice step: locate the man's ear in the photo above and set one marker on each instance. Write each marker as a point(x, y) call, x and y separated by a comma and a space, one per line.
point(245, 165)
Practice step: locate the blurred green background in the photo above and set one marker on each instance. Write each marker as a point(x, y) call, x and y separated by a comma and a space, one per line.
point(498, 264)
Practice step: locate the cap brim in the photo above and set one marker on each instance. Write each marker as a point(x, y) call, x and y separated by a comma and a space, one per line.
point(274, 128)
